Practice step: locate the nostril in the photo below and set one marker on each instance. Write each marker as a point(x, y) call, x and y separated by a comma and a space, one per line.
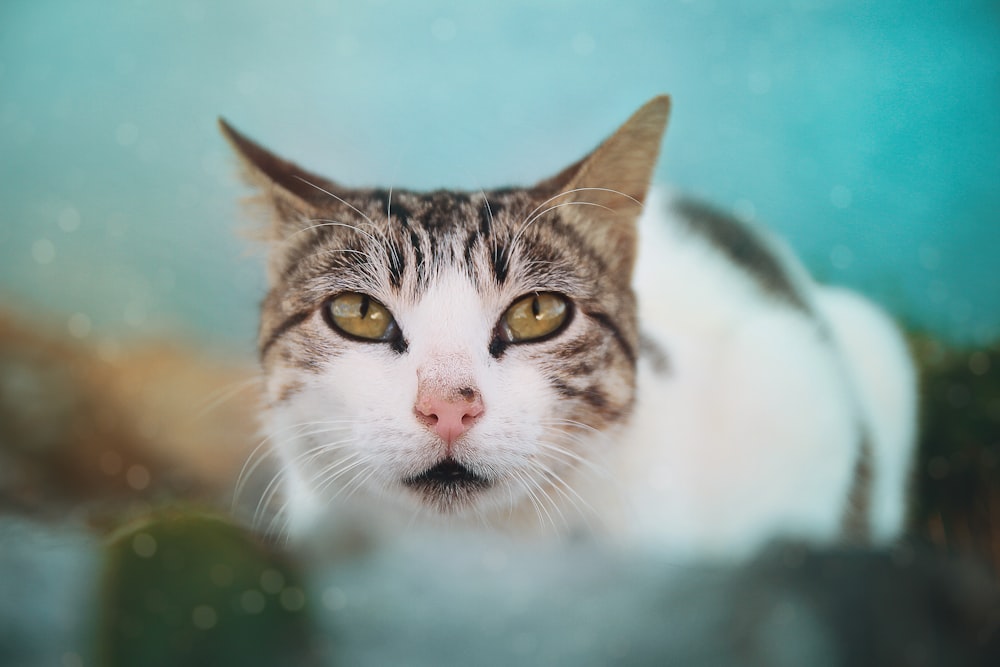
point(427, 418)
point(472, 415)
point(449, 416)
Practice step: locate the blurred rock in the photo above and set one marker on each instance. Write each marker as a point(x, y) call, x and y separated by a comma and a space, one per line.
point(48, 585)
point(184, 588)
point(100, 430)
point(181, 587)
point(455, 602)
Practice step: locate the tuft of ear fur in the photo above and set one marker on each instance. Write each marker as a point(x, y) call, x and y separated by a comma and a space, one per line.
point(294, 194)
point(602, 194)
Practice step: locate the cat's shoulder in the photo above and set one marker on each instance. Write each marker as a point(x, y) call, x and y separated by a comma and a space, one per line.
point(692, 233)
point(700, 265)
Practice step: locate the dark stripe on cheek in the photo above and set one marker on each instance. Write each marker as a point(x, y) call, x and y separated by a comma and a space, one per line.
point(577, 346)
point(580, 369)
point(290, 322)
point(609, 324)
point(564, 389)
point(289, 391)
point(595, 398)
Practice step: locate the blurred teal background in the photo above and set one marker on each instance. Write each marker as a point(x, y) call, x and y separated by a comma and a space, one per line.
point(867, 133)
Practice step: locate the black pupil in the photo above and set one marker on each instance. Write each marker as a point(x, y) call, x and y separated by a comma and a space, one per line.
point(535, 308)
point(364, 306)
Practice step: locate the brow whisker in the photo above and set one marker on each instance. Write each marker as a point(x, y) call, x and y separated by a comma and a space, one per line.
point(342, 201)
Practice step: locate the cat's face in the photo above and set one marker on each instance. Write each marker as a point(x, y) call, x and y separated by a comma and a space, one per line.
point(462, 353)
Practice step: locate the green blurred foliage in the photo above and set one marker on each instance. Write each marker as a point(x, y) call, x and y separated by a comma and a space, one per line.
point(956, 492)
point(185, 588)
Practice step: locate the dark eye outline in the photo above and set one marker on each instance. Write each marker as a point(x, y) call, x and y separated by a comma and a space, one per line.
point(392, 334)
point(501, 334)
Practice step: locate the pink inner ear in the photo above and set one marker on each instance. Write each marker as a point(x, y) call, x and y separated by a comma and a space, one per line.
point(449, 414)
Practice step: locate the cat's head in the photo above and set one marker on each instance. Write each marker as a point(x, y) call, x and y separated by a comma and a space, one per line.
point(462, 352)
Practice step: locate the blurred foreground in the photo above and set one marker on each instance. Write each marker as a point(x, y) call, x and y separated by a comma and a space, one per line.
point(186, 588)
point(105, 431)
point(93, 437)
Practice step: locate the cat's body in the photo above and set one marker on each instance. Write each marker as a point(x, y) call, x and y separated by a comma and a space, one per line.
point(478, 357)
point(788, 406)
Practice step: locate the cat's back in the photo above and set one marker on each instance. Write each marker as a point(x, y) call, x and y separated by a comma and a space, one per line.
point(758, 417)
point(703, 269)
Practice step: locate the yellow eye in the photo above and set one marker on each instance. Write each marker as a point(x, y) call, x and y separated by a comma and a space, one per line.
point(535, 316)
point(361, 316)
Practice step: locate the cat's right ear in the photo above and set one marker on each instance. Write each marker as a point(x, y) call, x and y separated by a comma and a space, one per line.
point(296, 195)
point(602, 195)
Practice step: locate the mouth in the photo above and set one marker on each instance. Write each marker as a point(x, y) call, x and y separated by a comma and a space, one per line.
point(447, 484)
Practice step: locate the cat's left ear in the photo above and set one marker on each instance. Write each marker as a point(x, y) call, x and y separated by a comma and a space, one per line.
point(296, 195)
point(604, 192)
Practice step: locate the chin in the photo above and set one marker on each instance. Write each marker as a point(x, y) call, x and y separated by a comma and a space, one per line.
point(449, 488)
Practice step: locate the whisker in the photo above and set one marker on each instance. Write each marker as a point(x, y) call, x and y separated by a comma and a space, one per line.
point(267, 495)
point(361, 481)
point(278, 528)
point(489, 209)
point(345, 203)
point(375, 245)
point(251, 465)
point(552, 503)
point(531, 495)
point(225, 393)
point(565, 488)
point(524, 227)
point(573, 457)
point(324, 222)
point(344, 466)
point(388, 220)
point(593, 458)
point(530, 486)
point(575, 190)
point(335, 251)
point(534, 215)
point(571, 422)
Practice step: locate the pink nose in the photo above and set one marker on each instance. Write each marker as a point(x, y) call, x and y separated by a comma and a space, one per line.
point(449, 418)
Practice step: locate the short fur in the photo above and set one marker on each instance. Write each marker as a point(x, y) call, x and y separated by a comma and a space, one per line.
point(752, 403)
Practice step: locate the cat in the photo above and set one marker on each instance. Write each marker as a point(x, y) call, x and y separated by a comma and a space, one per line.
point(586, 354)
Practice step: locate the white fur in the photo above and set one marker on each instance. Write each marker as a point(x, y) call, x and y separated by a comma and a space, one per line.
point(374, 390)
point(884, 376)
point(751, 434)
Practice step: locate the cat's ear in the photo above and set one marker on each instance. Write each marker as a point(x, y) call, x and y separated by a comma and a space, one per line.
point(295, 194)
point(604, 192)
